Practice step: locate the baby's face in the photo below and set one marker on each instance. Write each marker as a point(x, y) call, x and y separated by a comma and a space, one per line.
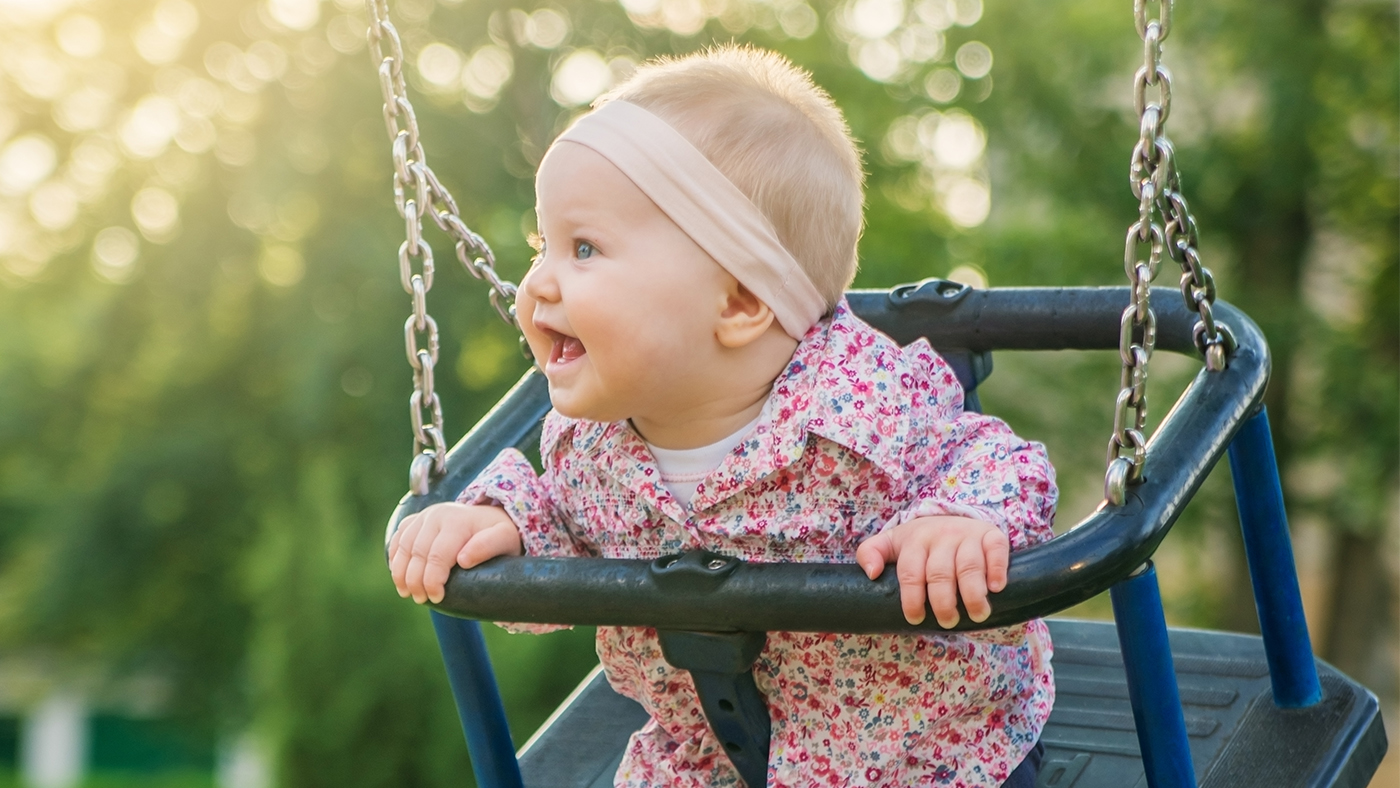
point(620, 306)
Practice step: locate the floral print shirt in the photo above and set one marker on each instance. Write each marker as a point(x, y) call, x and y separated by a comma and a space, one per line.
point(858, 435)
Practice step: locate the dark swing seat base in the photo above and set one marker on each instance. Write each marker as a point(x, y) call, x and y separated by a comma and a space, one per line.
point(1238, 737)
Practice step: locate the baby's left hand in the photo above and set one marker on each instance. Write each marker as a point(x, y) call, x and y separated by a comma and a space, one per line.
point(941, 556)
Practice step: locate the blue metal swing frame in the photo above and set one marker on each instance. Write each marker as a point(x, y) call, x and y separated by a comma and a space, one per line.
point(1110, 549)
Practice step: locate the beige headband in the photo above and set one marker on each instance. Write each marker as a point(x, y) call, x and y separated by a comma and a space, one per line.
point(705, 204)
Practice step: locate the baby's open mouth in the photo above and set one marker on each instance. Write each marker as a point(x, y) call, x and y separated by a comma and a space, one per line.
point(564, 348)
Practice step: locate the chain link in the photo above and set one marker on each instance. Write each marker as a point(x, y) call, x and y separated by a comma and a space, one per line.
point(418, 192)
point(1164, 224)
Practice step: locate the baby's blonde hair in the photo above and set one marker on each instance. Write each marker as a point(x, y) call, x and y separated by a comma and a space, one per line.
point(777, 136)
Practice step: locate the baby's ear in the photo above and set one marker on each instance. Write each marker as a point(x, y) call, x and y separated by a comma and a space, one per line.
point(743, 317)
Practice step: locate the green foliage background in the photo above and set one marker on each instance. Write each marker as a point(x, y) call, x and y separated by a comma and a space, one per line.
point(198, 450)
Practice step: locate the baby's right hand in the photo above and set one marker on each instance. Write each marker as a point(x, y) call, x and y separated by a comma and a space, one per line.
point(424, 549)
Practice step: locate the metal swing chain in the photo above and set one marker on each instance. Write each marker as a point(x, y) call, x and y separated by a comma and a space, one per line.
point(1164, 223)
point(417, 191)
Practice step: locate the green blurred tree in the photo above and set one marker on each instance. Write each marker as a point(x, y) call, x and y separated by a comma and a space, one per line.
point(202, 386)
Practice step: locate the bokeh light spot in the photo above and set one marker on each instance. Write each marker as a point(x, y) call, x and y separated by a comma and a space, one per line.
point(26, 162)
point(880, 60)
point(683, 17)
point(176, 18)
point(236, 148)
point(970, 275)
point(943, 85)
point(150, 126)
point(265, 61)
point(346, 34)
point(157, 214)
point(357, 382)
point(488, 70)
point(281, 266)
point(798, 21)
point(440, 65)
point(966, 12)
point(295, 14)
point(580, 78)
point(966, 201)
point(54, 205)
point(958, 141)
point(80, 35)
point(874, 18)
point(547, 28)
point(114, 252)
point(974, 59)
point(920, 43)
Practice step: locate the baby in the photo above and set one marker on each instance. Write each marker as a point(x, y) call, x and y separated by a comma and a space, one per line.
point(712, 389)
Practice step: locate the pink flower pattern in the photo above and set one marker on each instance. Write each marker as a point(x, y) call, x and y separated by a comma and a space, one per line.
point(857, 436)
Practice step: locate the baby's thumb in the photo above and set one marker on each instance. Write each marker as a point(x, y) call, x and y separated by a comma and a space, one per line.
point(872, 554)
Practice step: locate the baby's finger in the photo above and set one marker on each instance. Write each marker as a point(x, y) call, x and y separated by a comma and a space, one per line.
point(910, 568)
point(874, 553)
point(439, 563)
point(418, 558)
point(500, 539)
point(972, 579)
point(943, 584)
point(997, 548)
point(400, 552)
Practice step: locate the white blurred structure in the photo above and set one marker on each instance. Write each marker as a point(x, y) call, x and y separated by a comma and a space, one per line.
point(244, 764)
point(53, 747)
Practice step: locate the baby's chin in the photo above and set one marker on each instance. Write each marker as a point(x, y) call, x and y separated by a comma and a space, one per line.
point(571, 407)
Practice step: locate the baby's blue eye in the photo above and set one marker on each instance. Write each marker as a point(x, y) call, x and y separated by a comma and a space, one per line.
point(583, 250)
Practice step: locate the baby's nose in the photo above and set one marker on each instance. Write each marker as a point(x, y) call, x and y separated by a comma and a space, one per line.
point(539, 283)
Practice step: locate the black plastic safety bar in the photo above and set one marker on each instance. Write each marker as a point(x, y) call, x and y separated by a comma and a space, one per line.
point(730, 595)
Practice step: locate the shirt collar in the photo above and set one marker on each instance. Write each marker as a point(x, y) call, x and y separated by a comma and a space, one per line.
point(617, 450)
point(841, 385)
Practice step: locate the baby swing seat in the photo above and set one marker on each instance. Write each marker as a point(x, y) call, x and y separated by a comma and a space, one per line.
point(1137, 705)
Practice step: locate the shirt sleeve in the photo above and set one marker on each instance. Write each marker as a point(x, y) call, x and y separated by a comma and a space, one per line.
point(972, 465)
point(511, 483)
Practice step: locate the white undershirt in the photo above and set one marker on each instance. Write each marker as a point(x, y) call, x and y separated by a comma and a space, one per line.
point(682, 470)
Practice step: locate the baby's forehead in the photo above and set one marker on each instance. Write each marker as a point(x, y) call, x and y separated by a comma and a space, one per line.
point(576, 185)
